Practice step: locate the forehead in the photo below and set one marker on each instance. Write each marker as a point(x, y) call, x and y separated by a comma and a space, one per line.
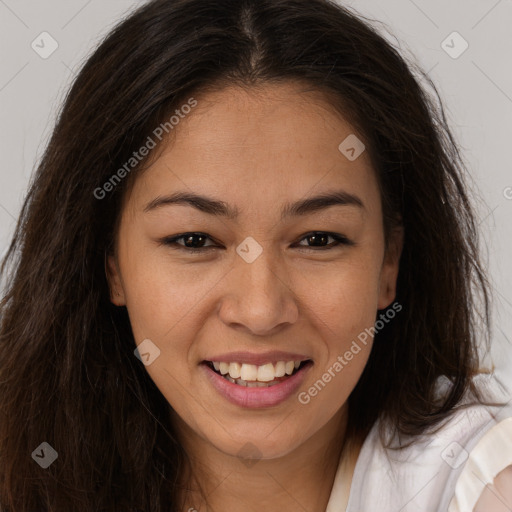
point(258, 146)
point(273, 120)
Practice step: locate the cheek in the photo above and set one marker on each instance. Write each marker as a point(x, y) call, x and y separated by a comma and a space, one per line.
point(159, 293)
point(346, 311)
point(163, 306)
point(348, 296)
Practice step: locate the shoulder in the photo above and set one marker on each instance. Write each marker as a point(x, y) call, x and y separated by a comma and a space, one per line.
point(423, 475)
point(486, 478)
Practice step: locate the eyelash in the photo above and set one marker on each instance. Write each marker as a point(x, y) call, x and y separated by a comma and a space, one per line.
point(172, 241)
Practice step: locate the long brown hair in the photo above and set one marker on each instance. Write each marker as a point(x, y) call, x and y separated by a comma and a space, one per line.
point(68, 374)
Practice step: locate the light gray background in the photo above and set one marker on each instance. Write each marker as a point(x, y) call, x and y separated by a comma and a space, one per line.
point(476, 88)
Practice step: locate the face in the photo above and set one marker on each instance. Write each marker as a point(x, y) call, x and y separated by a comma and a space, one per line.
point(266, 272)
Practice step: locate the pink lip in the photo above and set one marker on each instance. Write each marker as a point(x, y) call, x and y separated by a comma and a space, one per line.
point(257, 359)
point(256, 397)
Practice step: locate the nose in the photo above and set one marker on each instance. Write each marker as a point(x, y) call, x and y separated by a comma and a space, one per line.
point(259, 297)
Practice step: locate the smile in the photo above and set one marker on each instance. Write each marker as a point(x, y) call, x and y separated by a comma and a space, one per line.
point(253, 386)
point(251, 375)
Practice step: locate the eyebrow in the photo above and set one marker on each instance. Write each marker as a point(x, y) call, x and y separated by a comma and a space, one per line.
point(220, 208)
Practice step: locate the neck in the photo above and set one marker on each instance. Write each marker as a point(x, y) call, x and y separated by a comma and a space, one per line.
point(214, 481)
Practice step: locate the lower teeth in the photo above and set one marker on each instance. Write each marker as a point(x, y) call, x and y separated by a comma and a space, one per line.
point(251, 384)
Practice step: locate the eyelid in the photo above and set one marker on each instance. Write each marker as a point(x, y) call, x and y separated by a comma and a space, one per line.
point(341, 240)
point(172, 240)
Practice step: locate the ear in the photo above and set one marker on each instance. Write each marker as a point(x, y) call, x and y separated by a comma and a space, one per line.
point(114, 280)
point(390, 267)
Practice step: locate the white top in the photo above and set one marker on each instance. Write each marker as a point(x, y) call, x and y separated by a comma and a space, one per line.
point(441, 472)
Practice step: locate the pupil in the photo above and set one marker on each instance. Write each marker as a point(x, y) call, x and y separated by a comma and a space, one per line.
point(189, 240)
point(317, 238)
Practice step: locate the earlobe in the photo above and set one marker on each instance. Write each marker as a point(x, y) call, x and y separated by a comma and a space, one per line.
point(114, 280)
point(390, 268)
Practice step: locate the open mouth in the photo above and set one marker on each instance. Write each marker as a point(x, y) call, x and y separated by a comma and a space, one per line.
point(266, 375)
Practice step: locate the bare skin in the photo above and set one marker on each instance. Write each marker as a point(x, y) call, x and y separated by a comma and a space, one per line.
point(497, 497)
point(256, 150)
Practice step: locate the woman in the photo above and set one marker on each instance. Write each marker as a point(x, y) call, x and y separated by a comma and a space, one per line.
point(247, 276)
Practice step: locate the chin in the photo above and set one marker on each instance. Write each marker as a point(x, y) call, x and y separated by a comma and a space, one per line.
point(251, 447)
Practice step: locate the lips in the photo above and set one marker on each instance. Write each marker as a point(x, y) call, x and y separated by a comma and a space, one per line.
point(255, 393)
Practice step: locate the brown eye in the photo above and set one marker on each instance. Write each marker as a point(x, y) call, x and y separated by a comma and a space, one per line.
point(192, 242)
point(319, 240)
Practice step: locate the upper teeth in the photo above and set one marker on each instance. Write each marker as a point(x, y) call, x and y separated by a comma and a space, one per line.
point(264, 373)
